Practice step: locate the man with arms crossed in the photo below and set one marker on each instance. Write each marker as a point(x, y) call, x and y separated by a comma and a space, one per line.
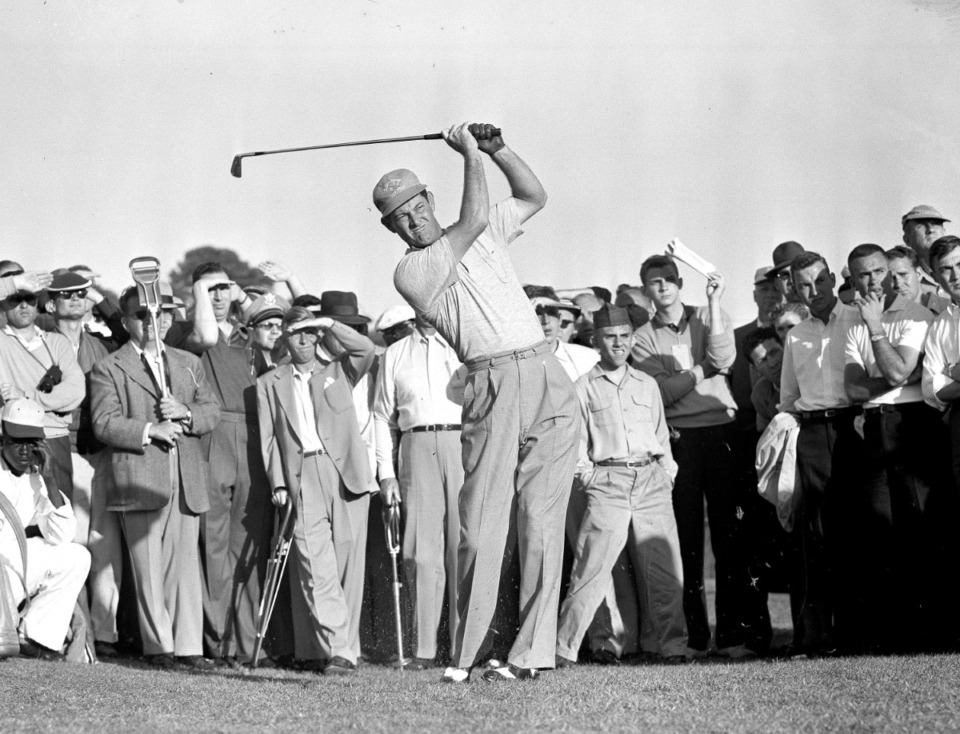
point(519, 419)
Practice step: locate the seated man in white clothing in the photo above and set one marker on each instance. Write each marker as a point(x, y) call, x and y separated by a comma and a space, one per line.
point(56, 567)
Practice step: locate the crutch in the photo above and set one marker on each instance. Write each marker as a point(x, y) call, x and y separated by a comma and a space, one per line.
point(271, 584)
point(146, 274)
point(391, 529)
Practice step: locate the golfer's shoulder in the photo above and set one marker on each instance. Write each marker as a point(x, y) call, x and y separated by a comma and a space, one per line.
point(419, 271)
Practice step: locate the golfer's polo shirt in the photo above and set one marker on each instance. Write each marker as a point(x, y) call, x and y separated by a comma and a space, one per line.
point(622, 419)
point(476, 304)
point(905, 324)
point(814, 355)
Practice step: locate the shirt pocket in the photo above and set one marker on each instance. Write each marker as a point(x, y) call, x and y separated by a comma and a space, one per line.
point(641, 408)
point(605, 414)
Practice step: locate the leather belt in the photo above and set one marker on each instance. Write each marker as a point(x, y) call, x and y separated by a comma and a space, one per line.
point(628, 464)
point(435, 427)
point(318, 452)
point(828, 414)
point(882, 408)
point(473, 365)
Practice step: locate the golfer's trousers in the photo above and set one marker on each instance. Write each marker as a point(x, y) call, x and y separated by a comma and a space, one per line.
point(520, 435)
point(632, 509)
point(327, 562)
point(431, 474)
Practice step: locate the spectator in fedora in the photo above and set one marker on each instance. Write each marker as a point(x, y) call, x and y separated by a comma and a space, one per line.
point(783, 256)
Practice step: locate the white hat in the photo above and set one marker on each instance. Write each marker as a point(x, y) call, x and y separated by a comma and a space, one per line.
point(22, 418)
point(393, 316)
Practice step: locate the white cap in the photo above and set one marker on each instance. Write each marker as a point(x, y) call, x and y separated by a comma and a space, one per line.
point(393, 316)
point(22, 418)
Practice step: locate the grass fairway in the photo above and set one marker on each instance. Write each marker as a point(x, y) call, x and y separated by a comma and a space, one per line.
point(858, 694)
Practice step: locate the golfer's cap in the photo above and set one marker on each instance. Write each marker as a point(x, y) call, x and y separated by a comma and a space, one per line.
point(762, 275)
point(67, 281)
point(395, 189)
point(22, 418)
point(923, 211)
point(783, 255)
point(264, 307)
point(393, 316)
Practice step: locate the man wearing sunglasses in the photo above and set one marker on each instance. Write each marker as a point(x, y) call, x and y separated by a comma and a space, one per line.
point(41, 366)
point(71, 298)
point(152, 407)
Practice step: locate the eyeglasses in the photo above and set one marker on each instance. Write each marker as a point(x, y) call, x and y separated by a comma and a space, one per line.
point(79, 294)
point(269, 326)
point(17, 298)
point(566, 323)
point(143, 314)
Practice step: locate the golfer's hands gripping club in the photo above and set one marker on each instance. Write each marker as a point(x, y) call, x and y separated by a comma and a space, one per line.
point(488, 137)
point(469, 137)
point(390, 491)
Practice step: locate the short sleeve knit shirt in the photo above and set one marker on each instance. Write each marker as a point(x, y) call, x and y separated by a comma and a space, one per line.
point(476, 304)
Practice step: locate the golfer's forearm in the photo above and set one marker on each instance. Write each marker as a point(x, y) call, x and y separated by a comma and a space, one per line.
point(524, 184)
point(475, 207)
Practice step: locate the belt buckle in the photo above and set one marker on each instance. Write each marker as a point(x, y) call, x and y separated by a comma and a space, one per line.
point(829, 413)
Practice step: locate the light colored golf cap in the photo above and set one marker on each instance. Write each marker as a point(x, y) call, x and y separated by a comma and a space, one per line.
point(762, 275)
point(547, 302)
point(395, 189)
point(923, 211)
point(22, 418)
point(393, 316)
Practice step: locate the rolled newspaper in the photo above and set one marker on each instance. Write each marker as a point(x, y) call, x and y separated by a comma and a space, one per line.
point(681, 252)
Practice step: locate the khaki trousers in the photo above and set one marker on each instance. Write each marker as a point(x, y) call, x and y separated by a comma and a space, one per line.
point(165, 560)
point(99, 530)
point(629, 508)
point(520, 434)
point(431, 475)
point(327, 563)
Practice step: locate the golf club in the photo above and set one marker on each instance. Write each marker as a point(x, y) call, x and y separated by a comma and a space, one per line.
point(235, 167)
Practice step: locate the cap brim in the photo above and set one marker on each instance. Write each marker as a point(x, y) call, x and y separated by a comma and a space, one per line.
point(16, 430)
point(264, 315)
point(351, 319)
point(399, 199)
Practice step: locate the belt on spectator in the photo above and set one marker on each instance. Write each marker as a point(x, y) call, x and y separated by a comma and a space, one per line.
point(828, 414)
point(628, 464)
point(501, 357)
point(318, 452)
point(435, 427)
point(881, 409)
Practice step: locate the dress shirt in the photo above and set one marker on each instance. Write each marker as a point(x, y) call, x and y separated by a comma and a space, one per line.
point(813, 362)
point(941, 352)
point(575, 359)
point(154, 366)
point(905, 323)
point(622, 420)
point(309, 436)
point(420, 383)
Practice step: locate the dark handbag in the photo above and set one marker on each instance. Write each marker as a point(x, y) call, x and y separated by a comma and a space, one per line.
point(9, 609)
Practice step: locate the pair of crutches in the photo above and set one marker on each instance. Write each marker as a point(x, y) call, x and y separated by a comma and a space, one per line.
point(278, 562)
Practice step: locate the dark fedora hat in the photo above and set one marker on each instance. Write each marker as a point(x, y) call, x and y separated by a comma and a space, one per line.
point(341, 306)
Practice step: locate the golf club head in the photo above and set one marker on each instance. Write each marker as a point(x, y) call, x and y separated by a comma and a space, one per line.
point(235, 167)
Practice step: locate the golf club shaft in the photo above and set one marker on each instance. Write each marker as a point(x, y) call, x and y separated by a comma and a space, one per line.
point(235, 168)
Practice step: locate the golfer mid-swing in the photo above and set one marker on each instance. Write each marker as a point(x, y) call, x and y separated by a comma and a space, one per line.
point(520, 417)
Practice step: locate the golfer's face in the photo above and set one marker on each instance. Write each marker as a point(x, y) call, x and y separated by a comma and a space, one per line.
point(415, 222)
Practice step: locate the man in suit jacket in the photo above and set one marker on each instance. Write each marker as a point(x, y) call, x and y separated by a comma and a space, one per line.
point(316, 458)
point(160, 477)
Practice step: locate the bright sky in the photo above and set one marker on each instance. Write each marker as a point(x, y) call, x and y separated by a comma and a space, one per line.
point(733, 126)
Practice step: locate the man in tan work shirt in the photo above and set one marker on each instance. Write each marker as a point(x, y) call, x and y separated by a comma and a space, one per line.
point(626, 471)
